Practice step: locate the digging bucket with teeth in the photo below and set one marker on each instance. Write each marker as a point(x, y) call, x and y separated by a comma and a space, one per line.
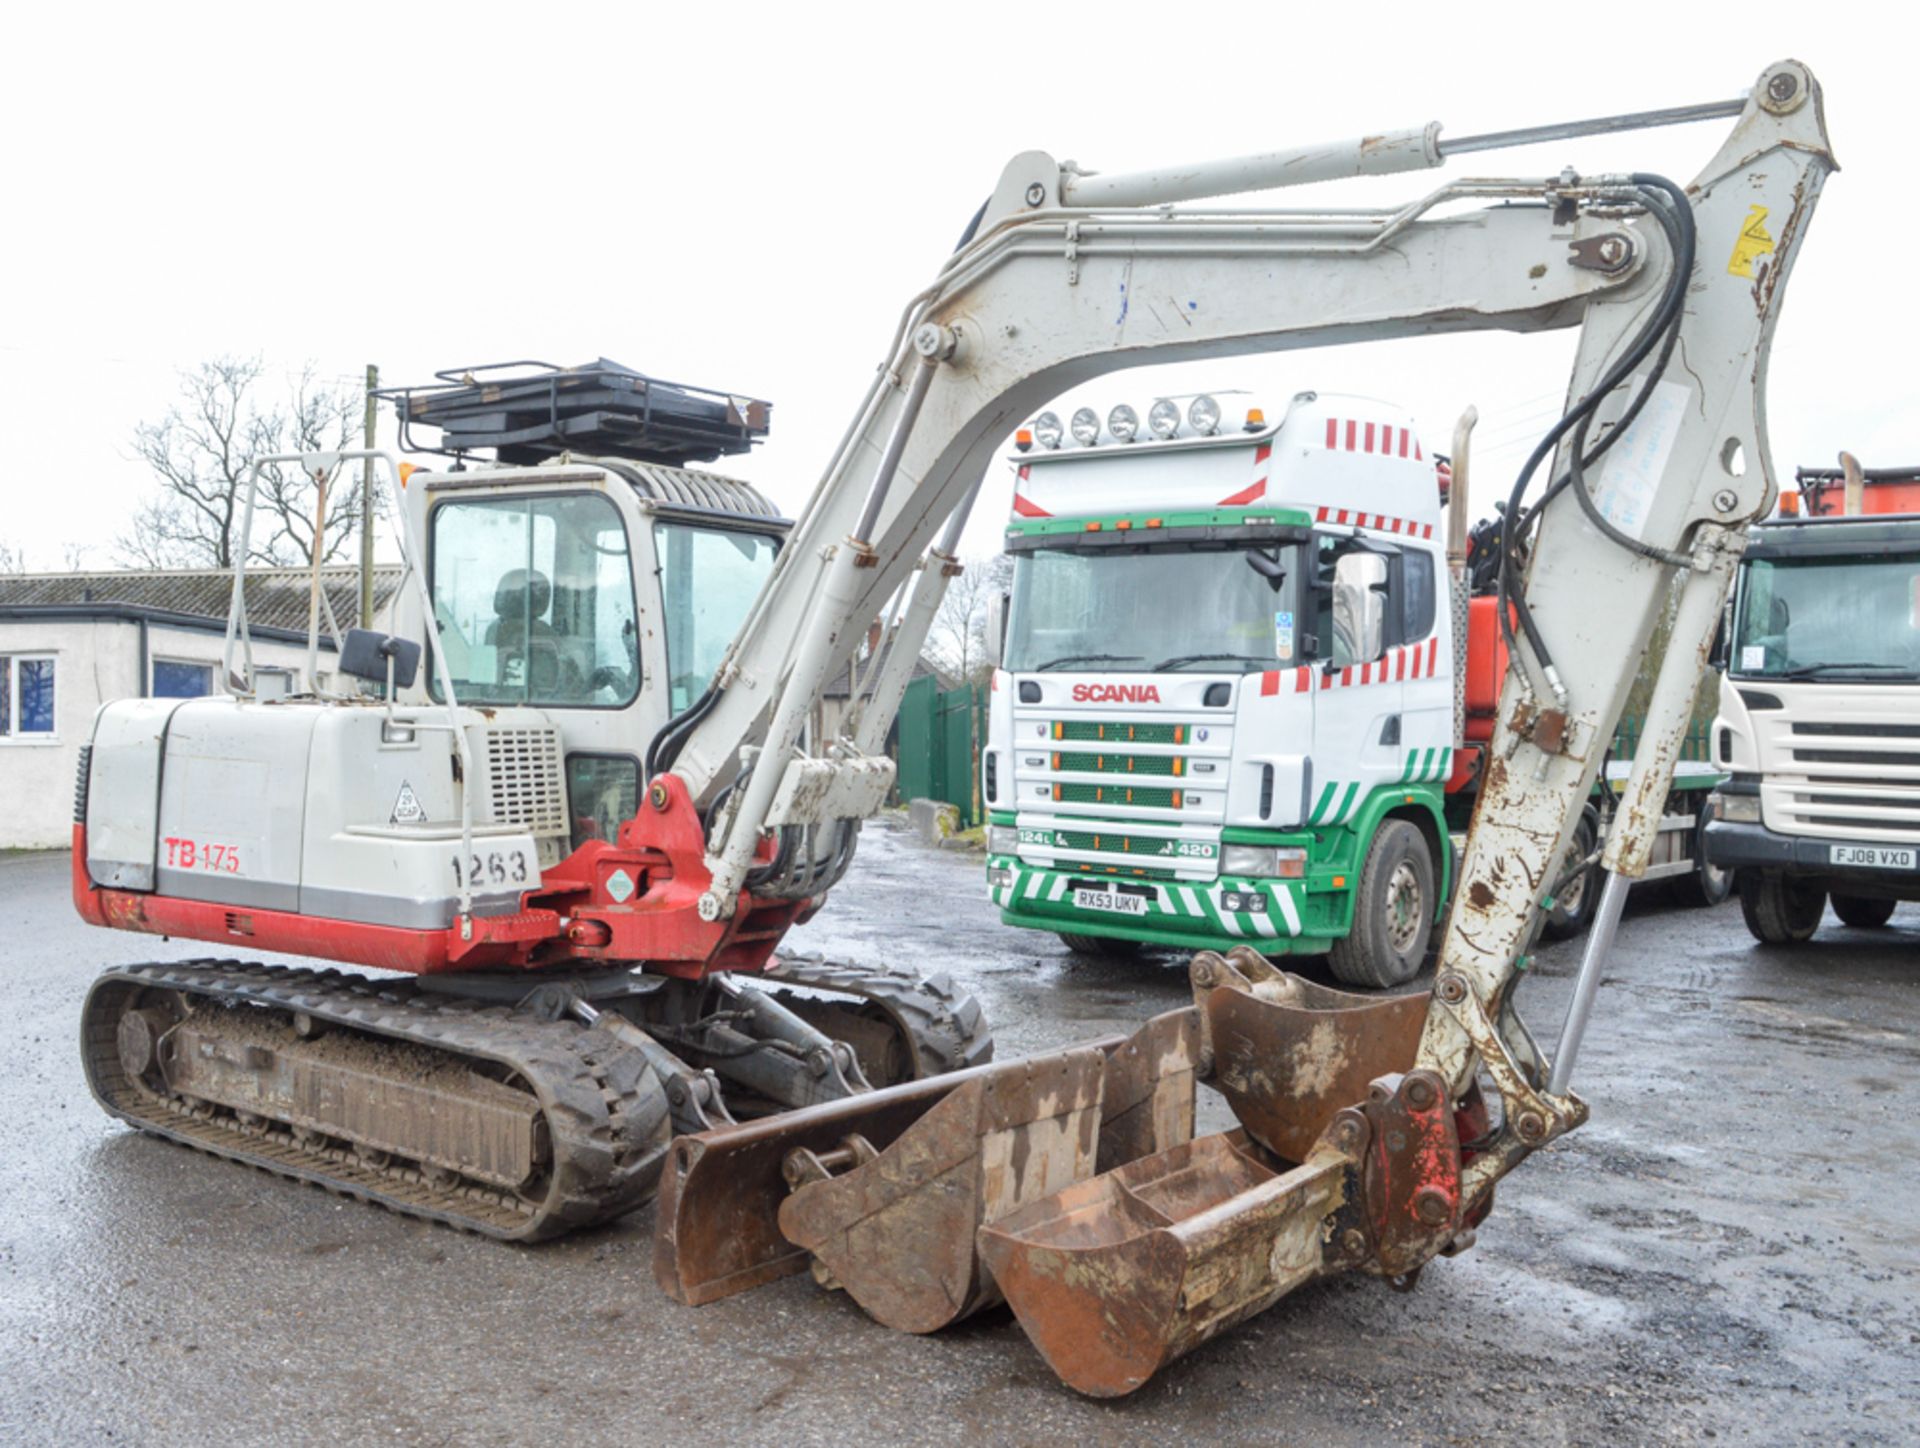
point(1346, 1157)
point(884, 1193)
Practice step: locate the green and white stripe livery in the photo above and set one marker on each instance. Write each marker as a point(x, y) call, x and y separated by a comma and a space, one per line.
point(1174, 904)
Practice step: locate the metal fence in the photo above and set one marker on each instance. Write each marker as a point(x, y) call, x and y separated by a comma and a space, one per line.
point(941, 732)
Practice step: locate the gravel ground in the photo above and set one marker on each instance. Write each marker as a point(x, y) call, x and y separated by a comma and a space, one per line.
point(1728, 1251)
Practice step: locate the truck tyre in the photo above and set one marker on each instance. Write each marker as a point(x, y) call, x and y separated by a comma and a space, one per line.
point(1100, 947)
point(1780, 911)
point(1573, 906)
point(1862, 911)
point(1707, 885)
point(1393, 911)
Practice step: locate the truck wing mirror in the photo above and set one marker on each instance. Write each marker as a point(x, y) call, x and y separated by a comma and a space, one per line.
point(1268, 566)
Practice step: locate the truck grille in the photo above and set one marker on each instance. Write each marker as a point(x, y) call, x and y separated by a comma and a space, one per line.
point(1149, 764)
point(1117, 794)
point(525, 780)
point(1842, 779)
point(1120, 732)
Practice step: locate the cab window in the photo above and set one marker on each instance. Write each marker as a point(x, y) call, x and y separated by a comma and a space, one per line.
point(534, 601)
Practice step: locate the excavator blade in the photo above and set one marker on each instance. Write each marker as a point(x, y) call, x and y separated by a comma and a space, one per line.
point(1115, 1277)
point(1289, 1054)
point(889, 1188)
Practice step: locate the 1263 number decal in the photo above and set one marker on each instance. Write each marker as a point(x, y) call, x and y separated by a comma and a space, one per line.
point(496, 867)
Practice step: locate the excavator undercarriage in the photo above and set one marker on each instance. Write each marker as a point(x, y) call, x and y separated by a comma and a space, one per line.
point(515, 1107)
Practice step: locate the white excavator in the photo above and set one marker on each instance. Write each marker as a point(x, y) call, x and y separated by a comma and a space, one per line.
point(574, 992)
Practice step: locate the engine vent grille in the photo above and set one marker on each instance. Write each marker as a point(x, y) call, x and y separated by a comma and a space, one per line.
point(526, 780)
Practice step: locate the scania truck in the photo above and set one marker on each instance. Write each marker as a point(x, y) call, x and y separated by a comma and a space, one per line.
point(1819, 723)
point(1234, 705)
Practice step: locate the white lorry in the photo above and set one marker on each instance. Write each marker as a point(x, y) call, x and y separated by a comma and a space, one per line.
point(1818, 723)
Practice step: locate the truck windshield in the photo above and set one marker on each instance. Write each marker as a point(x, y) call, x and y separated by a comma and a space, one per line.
point(709, 578)
point(1851, 616)
point(1150, 610)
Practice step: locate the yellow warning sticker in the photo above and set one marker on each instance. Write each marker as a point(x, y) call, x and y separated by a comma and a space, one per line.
point(1755, 242)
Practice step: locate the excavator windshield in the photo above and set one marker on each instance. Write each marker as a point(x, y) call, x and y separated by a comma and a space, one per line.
point(534, 599)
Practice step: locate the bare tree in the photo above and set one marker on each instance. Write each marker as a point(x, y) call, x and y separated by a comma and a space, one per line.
point(201, 455)
point(12, 560)
point(958, 637)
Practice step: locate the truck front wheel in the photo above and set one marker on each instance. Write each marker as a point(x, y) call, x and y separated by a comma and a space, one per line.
point(1778, 910)
point(1578, 896)
point(1393, 911)
point(1862, 911)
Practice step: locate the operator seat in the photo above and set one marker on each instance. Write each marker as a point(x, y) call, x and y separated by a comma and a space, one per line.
point(519, 631)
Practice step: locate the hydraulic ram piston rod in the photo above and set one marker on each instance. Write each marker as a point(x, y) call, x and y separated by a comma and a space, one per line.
point(1418, 148)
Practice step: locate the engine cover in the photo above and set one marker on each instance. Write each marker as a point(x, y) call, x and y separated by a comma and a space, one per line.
point(338, 810)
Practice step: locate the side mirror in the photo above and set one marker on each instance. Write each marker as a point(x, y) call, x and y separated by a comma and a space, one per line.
point(1359, 607)
point(996, 640)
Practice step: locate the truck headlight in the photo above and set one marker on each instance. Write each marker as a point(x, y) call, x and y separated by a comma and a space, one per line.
point(1739, 808)
point(1163, 418)
point(1003, 840)
point(1085, 427)
point(1203, 415)
point(1263, 861)
point(1047, 430)
point(1124, 423)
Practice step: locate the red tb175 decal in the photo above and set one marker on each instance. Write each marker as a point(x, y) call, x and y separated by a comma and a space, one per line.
point(202, 855)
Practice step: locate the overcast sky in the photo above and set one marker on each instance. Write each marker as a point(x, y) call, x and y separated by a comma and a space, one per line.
point(743, 197)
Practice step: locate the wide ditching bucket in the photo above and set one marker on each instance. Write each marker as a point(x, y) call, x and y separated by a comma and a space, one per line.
point(884, 1193)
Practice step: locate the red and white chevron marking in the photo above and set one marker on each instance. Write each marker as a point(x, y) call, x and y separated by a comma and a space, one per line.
point(1350, 435)
point(1406, 527)
point(1411, 661)
point(1026, 507)
point(1257, 489)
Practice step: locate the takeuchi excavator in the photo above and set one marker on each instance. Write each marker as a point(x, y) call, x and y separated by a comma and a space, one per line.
point(576, 796)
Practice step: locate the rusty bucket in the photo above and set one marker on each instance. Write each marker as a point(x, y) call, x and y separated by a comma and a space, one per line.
point(1289, 1054)
point(1115, 1277)
point(884, 1192)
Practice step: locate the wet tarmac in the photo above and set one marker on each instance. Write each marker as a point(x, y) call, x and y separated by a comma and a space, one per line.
point(1730, 1251)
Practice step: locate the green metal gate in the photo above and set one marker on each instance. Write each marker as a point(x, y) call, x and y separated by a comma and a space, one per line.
point(940, 737)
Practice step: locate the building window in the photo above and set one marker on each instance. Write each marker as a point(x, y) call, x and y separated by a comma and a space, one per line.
point(26, 697)
point(173, 679)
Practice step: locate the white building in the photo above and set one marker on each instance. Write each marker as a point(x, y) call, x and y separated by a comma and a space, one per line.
point(70, 642)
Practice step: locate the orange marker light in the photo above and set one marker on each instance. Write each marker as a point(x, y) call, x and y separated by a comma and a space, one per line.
point(407, 470)
point(1256, 419)
point(1093, 527)
point(1339, 882)
point(1023, 439)
point(1789, 505)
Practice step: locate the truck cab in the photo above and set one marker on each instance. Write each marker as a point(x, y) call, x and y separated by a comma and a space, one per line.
point(1225, 704)
point(1819, 720)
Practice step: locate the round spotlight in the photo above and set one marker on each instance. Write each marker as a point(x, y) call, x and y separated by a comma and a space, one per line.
point(1124, 423)
point(1086, 427)
point(1047, 429)
point(1203, 415)
point(1163, 418)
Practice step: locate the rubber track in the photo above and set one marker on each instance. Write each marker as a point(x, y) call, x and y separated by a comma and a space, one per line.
point(944, 1023)
point(605, 1112)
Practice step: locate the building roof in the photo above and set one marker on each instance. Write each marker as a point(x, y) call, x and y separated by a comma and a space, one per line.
point(839, 684)
point(276, 597)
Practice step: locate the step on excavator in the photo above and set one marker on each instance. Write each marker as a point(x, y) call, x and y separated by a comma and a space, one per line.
point(576, 995)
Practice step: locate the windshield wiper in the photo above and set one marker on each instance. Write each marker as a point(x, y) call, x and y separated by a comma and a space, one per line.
point(1180, 659)
point(1084, 659)
point(1807, 671)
